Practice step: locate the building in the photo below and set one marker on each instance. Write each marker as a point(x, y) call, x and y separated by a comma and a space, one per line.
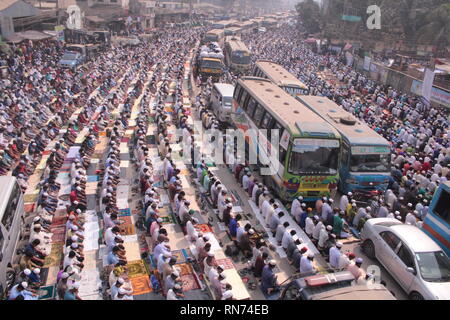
point(13, 14)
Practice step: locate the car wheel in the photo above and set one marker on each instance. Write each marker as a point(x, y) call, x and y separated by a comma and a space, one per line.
point(415, 296)
point(369, 249)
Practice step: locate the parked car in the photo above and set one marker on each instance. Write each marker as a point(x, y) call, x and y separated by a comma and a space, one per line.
point(333, 286)
point(71, 59)
point(413, 259)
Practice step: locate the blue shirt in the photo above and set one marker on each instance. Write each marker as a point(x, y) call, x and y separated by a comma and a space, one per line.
point(112, 258)
point(233, 227)
point(267, 279)
point(69, 296)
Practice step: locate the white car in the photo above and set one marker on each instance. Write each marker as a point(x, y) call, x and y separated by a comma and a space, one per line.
point(413, 259)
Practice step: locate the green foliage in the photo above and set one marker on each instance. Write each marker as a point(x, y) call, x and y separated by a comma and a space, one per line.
point(309, 15)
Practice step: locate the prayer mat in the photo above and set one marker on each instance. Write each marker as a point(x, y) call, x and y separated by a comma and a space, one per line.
point(179, 255)
point(227, 263)
point(184, 268)
point(46, 152)
point(47, 293)
point(126, 140)
point(124, 212)
point(30, 198)
point(126, 220)
point(58, 221)
point(92, 178)
point(102, 133)
point(127, 229)
point(54, 259)
point(141, 285)
point(203, 228)
point(189, 282)
point(59, 237)
point(28, 207)
point(64, 197)
point(136, 269)
point(167, 220)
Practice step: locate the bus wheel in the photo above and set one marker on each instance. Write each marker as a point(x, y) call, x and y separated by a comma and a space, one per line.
point(369, 249)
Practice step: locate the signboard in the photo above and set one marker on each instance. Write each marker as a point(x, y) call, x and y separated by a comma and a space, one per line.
point(302, 145)
point(359, 150)
point(284, 142)
point(437, 95)
point(351, 18)
point(427, 84)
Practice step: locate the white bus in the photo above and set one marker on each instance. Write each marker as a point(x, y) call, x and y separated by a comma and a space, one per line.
point(221, 100)
point(280, 76)
point(11, 219)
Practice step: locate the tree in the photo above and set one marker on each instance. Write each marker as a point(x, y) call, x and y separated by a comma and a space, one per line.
point(436, 29)
point(309, 16)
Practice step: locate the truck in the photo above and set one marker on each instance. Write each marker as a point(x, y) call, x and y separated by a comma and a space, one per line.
point(77, 54)
point(209, 62)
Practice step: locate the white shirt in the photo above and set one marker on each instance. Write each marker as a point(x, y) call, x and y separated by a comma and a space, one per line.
point(335, 255)
point(309, 226)
point(171, 295)
point(306, 265)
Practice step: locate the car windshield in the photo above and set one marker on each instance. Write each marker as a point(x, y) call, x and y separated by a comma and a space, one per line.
point(434, 266)
point(314, 160)
point(370, 163)
point(69, 56)
point(227, 101)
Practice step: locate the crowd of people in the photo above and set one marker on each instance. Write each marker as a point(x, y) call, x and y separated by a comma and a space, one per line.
point(38, 100)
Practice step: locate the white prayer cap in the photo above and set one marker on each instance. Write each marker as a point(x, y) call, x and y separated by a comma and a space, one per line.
point(167, 254)
point(78, 211)
point(329, 228)
point(74, 245)
point(339, 244)
point(210, 254)
point(36, 219)
point(74, 238)
point(272, 262)
point(74, 228)
point(24, 284)
point(159, 220)
point(310, 255)
point(37, 271)
point(27, 272)
point(251, 231)
point(227, 294)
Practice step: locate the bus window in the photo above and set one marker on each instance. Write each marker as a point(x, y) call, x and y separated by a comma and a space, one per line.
point(266, 122)
point(282, 155)
point(257, 117)
point(2, 240)
point(244, 100)
point(345, 153)
point(237, 93)
point(251, 107)
point(442, 208)
point(8, 214)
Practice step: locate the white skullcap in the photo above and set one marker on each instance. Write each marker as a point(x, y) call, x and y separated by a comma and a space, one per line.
point(311, 255)
point(227, 294)
point(24, 284)
point(27, 272)
point(339, 244)
point(329, 228)
point(272, 262)
point(37, 270)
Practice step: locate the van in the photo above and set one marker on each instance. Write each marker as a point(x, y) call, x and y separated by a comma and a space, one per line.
point(11, 222)
point(221, 101)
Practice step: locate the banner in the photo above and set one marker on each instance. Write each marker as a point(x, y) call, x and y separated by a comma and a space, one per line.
point(367, 61)
point(437, 95)
point(427, 84)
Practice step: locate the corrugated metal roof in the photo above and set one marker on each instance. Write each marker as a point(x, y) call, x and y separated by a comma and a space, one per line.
point(4, 4)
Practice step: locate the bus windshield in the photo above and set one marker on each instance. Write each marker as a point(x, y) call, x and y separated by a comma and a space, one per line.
point(211, 38)
point(370, 163)
point(212, 64)
point(315, 159)
point(295, 90)
point(240, 57)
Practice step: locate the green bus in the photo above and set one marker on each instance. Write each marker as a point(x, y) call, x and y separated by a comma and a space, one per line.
point(309, 147)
